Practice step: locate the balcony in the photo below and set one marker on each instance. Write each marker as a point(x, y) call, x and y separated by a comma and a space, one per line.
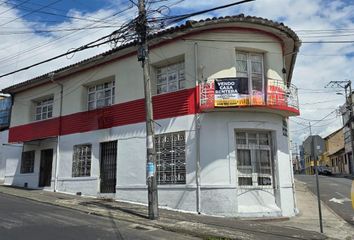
point(278, 98)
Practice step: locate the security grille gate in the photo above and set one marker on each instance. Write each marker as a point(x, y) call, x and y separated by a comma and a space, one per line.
point(108, 166)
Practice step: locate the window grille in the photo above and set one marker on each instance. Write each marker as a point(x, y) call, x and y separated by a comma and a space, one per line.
point(44, 109)
point(171, 158)
point(82, 160)
point(27, 162)
point(170, 78)
point(101, 95)
point(254, 158)
point(249, 66)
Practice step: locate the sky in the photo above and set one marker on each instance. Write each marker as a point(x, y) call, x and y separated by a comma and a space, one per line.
point(35, 30)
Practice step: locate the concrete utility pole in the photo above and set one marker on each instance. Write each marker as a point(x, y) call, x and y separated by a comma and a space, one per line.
point(143, 56)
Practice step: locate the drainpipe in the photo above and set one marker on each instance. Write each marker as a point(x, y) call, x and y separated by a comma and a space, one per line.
point(197, 128)
point(289, 144)
point(59, 132)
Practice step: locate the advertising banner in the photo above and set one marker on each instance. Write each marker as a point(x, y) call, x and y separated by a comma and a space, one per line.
point(231, 92)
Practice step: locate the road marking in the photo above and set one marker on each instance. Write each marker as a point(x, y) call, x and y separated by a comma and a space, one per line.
point(340, 201)
point(343, 196)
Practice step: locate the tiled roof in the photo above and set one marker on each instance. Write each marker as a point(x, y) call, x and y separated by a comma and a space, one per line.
point(188, 25)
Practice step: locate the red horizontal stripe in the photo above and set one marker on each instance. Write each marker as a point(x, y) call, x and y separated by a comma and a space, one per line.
point(167, 105)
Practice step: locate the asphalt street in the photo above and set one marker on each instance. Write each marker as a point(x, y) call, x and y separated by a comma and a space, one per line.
point(335, 192)
point(25, 219)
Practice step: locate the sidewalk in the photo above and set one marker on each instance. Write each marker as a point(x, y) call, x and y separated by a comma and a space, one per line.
point(333, 225)
point(302, 227)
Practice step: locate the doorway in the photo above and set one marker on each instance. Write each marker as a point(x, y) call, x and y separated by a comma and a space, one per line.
point(45, 170)
point(108, 169)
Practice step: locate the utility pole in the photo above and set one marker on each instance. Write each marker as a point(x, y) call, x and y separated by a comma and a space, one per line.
point(347, 85)
point(143, 56)
point(314, 157)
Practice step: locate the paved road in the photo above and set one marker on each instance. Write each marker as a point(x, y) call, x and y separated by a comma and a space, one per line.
point(25, 219)
point(335, 192)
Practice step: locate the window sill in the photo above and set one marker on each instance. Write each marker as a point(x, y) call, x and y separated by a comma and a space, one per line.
point(35, 121)
point(28, 174)
point(159, 94)
point(78, 179)
point(254, 188)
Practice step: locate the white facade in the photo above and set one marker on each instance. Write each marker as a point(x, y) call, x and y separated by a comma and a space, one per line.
point(210, 184)
point(10, 155)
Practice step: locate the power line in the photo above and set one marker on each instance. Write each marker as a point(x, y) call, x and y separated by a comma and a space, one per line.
point(180, 17)
point(84, 47)
point(52, 31)
point(14, 6)
point(42, 45)
point(56, 14)
point(31, 12)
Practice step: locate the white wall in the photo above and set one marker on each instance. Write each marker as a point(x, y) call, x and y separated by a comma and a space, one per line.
point(218, 59)
point(219, 191)
point(218, 162)
point(9, 158)
point(13, 165)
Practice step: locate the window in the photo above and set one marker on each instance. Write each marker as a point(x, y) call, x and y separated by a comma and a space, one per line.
point(249, 68)
point(44, 109)
point(170, 78)
point(171, 158)
point(5, 108)
point(82, 160)
point(254, 158)
point(101, 95)
point(27, 162)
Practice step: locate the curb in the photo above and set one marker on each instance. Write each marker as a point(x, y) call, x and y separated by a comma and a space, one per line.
point(196, 229)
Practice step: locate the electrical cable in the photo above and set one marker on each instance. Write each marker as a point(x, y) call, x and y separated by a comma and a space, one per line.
point(86, 46)
point(42, 45)
point(31, 12)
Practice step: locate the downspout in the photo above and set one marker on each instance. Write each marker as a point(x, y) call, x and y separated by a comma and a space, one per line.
point(197, 128)
point(296, 211)
point(59, 132)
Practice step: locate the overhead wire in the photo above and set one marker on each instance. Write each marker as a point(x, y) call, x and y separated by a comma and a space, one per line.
point(50, 42)
point(26, 8)
point(31, 12)
point(86, 46)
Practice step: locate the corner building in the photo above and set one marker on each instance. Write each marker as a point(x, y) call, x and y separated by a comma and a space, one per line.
point(222, 95)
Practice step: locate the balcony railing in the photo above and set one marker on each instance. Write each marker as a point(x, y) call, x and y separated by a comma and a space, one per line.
point(278, 95)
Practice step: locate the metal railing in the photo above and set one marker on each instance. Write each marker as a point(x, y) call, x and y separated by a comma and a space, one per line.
point(278, 94)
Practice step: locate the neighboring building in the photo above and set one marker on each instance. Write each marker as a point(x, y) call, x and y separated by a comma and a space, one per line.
point(336, 152)
point(314, 147)
point(302, 159)
point(345, 109)
point(296, 160)
point(5, 111)
point(221, 108)
point(9, 157)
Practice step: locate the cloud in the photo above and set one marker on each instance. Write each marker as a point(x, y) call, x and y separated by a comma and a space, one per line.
point(317, 64)
point(17, 51)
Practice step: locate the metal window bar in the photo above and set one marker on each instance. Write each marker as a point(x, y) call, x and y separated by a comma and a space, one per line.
point(27, 162)
point(171, 159)
point(81, 161)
